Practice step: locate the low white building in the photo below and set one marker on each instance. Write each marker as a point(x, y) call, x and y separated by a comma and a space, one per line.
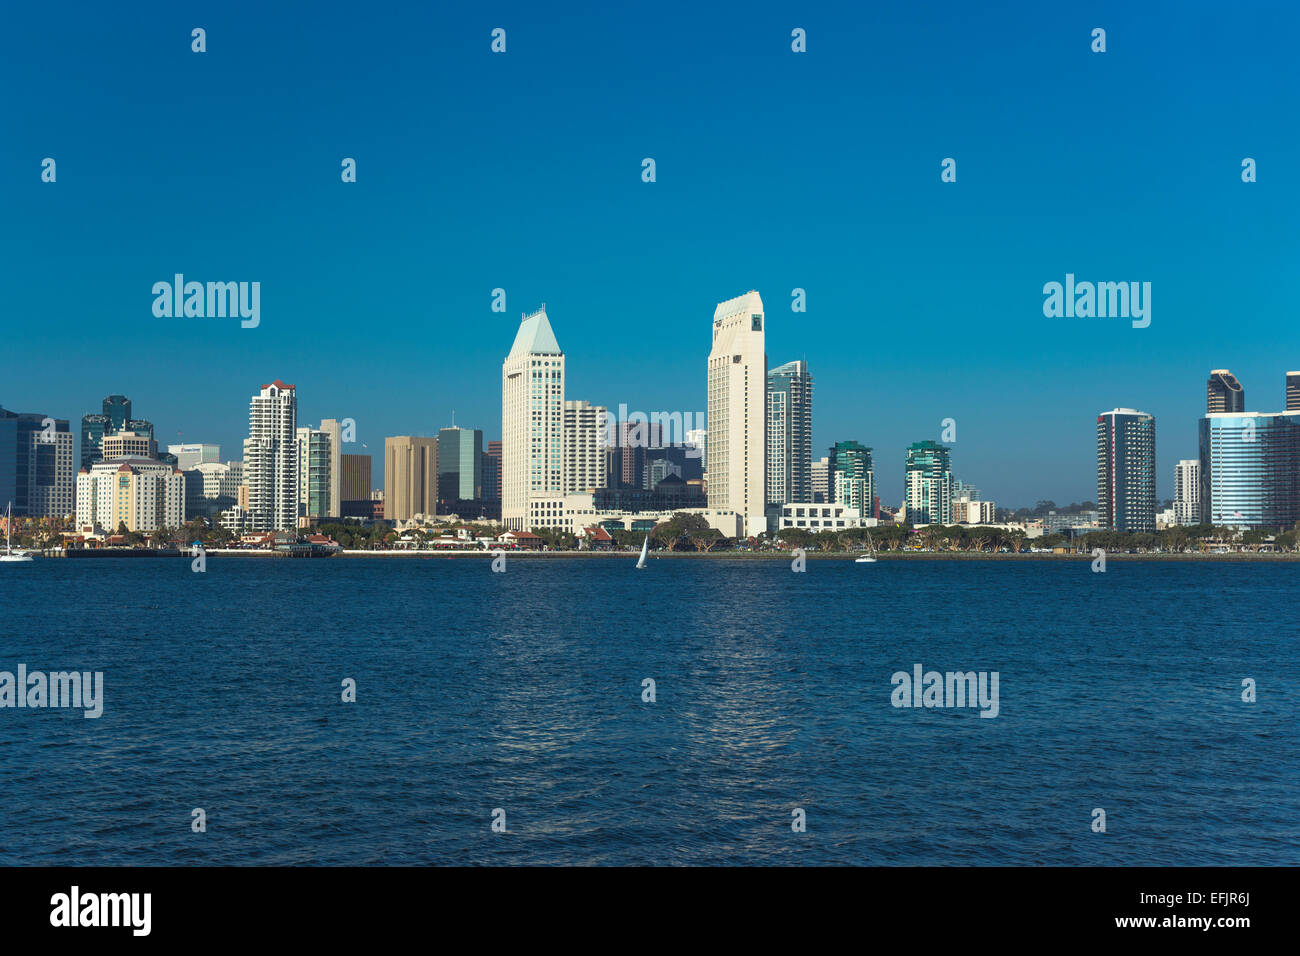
point(816, 516)
point(571, 513)
point(142, 493)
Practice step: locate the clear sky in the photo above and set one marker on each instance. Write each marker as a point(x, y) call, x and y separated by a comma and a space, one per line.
point(775, 170)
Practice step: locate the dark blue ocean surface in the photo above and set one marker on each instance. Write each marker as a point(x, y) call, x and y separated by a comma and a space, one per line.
point(522, 691)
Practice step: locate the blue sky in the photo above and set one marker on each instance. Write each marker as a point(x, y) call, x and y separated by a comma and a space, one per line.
point(775, 170)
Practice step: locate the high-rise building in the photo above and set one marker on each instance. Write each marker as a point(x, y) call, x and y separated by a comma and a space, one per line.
point(114, 417)
point(532, 419)
point(1126, 470)
point(36, 465)
point(1250, 469)
point(314, 476)
point(1223, 393)
point(355, 486)
point(410, 477)
point(820, 477)
point(122, 444)
point(851, 479)
point(189, 455)
point(583, 436)
point(1293, 391)
point(334, 429)
point(271, 458)
point(737, 411)
point(626, 460)
point(492, 472)
point(928, 484)
point(212, 487)
point(1187, 492)
point(460, 464)
point(143, 494)
point(789, 433)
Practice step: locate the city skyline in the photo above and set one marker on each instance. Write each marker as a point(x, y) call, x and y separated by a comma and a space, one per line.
point(370, 287)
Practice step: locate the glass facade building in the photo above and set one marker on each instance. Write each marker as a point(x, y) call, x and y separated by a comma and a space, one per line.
point(928, 484)
point(1126, 471)
point(789, 433)
point(460, 464)
point(849, 477)
point(1250, 469)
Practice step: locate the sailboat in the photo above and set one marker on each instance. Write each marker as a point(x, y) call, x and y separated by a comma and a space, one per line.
point(866, 558)
point(645, 546)
point(11, 556)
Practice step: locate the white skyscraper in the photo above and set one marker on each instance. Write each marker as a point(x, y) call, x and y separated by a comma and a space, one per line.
point(1187, 491)
point(737, 411)
point(333, 427)
point(271, 458)
point(532, 419)
point(583, 435)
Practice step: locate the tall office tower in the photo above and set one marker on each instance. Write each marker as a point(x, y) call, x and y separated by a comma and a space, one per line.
point(789, 433)
point(1250, 469)
point(737, 411)
point(584, 446)
point(355, 486)
point(1293, 391)
point(1126, 470)
point(851, 479)
point(928, 484)
point(820, 471)
point(271, 458)
point(334, 429)
point(189, 455)
point(410, 477)
point(532, 419)
point(114, 417)
point(1187, 491)
point(314, 476)
point(128, 443)
point(141, 493)
point(1223, 393)
point(211, 488)
point(492, 472)
point(36, 465)
point(460, 464)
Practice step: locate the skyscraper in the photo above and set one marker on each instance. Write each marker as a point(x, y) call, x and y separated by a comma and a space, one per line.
point(851, 480)
point(114, 417)
point(1187, 491)
point(410, 477)
point(584, 446)
point(820, 470)
point(1250, 469)
point(928, 484)
point(271, 458)
point(334, 429)
point(355, 486)
point(1126, 470)
point(460, 464)
point(141, 493)
point(314, 475)
point(737, 411)
point(532, 419)
point(1293, 391)
point(36, 465)
point(1223, 393)
point(789, 433)
point(492, 471)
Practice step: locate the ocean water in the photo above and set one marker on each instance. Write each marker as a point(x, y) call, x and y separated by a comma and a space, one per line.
point(523, 691)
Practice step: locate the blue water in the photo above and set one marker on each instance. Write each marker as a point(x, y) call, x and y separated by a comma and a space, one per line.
point(522, 691)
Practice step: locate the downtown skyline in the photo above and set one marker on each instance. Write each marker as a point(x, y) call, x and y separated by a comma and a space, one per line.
point(376, 295)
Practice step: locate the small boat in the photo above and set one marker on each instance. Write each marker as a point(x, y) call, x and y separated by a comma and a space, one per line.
point(645, 545)
point(11, 556)
point(865, 559)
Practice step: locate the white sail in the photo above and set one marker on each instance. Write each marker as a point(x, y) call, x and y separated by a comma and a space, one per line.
point(645, 545)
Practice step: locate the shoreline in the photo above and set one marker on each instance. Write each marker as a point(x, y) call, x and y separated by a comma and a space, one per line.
point(1278, 557)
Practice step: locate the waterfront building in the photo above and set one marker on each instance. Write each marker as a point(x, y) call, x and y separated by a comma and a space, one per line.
point(410, 477)
point(1126, 470)
point(141, 493)
point(114, 416)
point(271, 458)
point(851, 479)
point(334, 429)
point(1187, 492)
point(928, 484)
point(532, 419)
point(460, 464)
point(36, 465)
point(354, 486)
point(819, 473)
point(737, 407)
point(212, 487)
point(815, 516)
point(583, 436)
point(1250, 469)
point(314, 477)
point(492, 471)
point(789, 433)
